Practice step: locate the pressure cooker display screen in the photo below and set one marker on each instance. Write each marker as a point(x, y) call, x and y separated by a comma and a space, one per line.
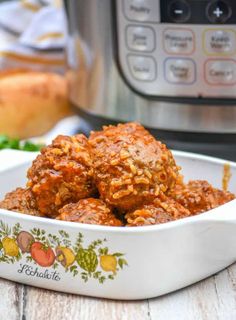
point(198, 11)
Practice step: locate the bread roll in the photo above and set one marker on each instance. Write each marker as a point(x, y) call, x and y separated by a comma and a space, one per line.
point(31, 103)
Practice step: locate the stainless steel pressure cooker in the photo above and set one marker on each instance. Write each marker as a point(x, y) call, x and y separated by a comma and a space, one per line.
point(169, 64)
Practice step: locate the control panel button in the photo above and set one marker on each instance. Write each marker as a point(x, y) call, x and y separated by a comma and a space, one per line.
point(220, 72)
point(201, 12)
point(142, 10)
point(178, 41)
point(218, 11)
point(142, 68)
point(180, 71)
point(179, 11)
point(140, 38)
point(220, 41)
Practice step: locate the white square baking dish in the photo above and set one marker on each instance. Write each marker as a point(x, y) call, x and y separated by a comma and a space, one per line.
point(116, 262)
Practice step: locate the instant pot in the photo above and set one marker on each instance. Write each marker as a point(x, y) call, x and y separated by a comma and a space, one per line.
point(169, 64)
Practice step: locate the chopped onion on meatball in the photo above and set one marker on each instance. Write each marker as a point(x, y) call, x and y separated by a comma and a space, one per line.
point(130, 166)
point(161, 210)
point(20, 200)
point(61, 174)
point(91, 211)
point(199, 196)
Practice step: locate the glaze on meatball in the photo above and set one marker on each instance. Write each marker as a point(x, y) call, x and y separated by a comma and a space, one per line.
point(21, 200)
point(61, 174)
point(199, 196)
point(161, 210)
point(130, 166)
point(91, 211)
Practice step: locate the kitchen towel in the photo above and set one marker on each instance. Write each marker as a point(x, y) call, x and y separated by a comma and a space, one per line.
point(33, 35)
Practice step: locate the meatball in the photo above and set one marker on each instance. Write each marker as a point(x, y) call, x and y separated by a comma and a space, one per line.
point(91, 211)
point(161, 210)
point(130, 166)
point(61, 174)
point(199, 196)
point(21, 200)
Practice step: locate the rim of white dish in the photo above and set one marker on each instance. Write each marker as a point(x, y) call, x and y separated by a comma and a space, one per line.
point(210, 215)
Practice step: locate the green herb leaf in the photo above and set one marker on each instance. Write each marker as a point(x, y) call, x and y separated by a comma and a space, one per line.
point(8, 143)
point(30, 146)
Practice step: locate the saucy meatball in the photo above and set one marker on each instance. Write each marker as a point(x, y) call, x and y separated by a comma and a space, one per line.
point(61, 174)
point(21, 200)
point(130, 166)
point(161, 210)
point(91, 211)
point(199, 196)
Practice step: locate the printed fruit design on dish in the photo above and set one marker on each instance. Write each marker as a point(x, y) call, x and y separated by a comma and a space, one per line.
point(91, 261)
point(111, 262)
point(24, 241)
point(108, 263)
point(10, 247)
point(65, 256)
point(42, 254)
point(87, 259)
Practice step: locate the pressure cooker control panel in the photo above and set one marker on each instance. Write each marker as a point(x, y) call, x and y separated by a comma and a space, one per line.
point(178, 47)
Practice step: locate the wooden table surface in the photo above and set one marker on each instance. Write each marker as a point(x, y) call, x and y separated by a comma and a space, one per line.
point(211, 299)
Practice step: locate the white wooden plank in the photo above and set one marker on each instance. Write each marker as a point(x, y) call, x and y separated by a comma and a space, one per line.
point(98, 309)
point(225, 283)
point(214, 298)
point(11, 300)
point(43, 304)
